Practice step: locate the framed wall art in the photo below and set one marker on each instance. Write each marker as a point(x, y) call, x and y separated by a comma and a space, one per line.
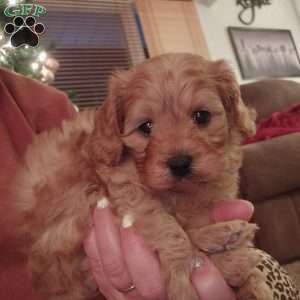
point(265, 52)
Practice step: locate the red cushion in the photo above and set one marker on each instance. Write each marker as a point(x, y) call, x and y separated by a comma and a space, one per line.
point(280, 123)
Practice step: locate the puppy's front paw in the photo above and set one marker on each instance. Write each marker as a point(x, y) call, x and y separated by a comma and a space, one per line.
point(237, 265)
point(223, 236)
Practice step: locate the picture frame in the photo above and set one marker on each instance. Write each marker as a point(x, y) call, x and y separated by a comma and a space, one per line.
point(265, 52)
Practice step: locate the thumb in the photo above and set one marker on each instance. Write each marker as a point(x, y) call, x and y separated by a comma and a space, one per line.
point(208, 281)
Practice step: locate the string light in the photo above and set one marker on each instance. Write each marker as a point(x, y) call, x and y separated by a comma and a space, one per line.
point(12, 2)
point(42, 66)
point(35, 66)
point(42, 56)
point(7, 45)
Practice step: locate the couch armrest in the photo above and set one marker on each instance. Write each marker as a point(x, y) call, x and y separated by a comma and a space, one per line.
point(271, 167)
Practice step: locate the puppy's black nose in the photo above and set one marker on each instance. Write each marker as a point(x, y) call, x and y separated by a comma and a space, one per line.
point(180, 165)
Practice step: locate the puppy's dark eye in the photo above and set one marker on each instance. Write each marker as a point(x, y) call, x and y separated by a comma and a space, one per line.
point(201, 117)
point(146, 127)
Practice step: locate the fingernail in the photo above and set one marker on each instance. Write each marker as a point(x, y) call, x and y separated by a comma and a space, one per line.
point(102, 203)
point(198, 262)
point(127, 221)
point(249, 204)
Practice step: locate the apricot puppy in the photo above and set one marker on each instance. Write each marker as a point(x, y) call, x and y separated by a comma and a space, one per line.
point(163, 147)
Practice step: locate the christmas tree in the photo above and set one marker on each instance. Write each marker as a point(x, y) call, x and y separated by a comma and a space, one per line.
point(34, 62)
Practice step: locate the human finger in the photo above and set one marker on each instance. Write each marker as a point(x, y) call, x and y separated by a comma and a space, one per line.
point(208, 281)
point(232, 210)
point(142, 263)
point(109, 245)
point(104, 285)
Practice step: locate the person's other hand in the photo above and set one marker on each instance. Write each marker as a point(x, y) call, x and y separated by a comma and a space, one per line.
point(124, 268)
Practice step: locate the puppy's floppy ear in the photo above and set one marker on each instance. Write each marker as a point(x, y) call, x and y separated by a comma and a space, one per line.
point(238, 113)
point(105, 142)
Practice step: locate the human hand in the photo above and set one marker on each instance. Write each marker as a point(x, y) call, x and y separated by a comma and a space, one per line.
point(124, 268)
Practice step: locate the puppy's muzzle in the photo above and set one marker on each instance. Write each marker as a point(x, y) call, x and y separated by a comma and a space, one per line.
point(180, 165)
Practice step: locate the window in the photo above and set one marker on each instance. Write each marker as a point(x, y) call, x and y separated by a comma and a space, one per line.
point(91, 39)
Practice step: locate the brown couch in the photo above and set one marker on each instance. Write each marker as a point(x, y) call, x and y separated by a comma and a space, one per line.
point(270, 176)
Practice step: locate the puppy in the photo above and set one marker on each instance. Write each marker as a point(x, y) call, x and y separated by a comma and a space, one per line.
point(163, 147)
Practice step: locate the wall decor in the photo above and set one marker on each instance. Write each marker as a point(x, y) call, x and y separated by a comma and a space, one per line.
point(265, 52)
point(247, 14)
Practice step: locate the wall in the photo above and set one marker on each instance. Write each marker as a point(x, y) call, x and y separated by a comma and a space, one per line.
point(223, 13)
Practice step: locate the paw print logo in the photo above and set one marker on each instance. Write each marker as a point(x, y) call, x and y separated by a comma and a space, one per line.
point(24, 32)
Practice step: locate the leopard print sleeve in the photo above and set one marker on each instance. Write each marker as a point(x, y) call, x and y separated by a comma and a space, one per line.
point(269, 281)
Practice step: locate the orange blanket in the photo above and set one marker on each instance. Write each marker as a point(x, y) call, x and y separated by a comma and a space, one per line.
point(26, 108)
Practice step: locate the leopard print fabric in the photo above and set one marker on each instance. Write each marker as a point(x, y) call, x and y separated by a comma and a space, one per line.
point(277, 279)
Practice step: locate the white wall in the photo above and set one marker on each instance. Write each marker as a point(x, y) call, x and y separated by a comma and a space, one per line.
point(215, 19)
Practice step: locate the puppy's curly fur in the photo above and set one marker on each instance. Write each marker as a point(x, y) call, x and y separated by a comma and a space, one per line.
point(110, 153)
